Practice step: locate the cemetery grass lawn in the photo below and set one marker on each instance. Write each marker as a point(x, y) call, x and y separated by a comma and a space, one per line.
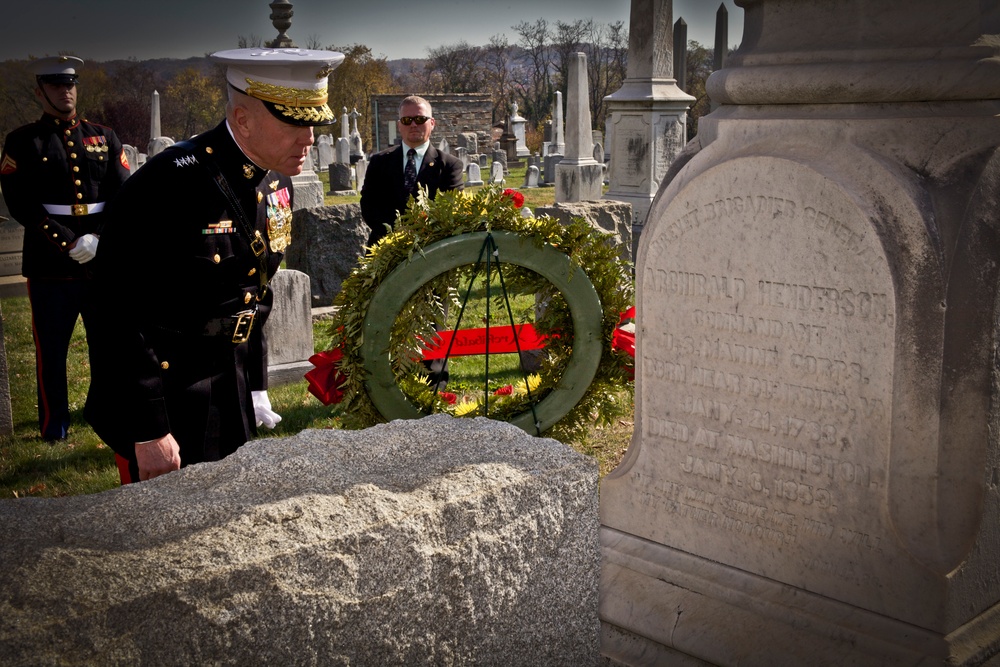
point(83, 464)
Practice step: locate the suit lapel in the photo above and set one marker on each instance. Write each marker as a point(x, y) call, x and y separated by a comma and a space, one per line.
point(430, 161)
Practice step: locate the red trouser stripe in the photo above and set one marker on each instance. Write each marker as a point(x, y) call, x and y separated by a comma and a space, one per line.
point(123, 472)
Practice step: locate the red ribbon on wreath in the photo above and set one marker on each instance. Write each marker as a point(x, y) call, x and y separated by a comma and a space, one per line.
point(325, 380)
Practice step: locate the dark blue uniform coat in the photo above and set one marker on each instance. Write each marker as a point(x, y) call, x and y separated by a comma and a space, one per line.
point(177, 270)
point(58, 163)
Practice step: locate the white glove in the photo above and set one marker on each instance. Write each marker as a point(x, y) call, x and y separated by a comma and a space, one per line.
point(262, 409)
point(85, 248)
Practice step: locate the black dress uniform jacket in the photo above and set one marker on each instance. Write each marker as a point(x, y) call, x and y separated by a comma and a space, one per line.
point(59, 162)
point(384, 197)
point(178, 271)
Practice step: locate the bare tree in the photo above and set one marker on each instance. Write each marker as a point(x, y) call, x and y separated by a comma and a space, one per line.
point(18, 105)
point(499, 81)
point(458, 68)
point(607, 55)
point(249, 41)
point(569, 38)
point(532, 73)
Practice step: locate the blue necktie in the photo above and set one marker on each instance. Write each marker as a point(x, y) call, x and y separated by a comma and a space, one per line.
point(410, 172)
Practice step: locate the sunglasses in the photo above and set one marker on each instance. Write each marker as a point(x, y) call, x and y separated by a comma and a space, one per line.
point(419, 120)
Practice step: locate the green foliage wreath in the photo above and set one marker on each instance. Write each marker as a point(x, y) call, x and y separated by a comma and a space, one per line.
point(427, 221)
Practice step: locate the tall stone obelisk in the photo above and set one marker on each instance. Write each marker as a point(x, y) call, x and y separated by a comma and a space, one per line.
point(579, 177)
point(154, 117)
point(813, 478)
point(647, 116)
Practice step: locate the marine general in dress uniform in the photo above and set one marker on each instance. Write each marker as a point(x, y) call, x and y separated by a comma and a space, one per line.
point(189, 247)
point(57, 174)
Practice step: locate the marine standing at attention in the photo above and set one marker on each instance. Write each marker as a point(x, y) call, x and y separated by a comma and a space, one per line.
point(190, 245)
point(57, 174)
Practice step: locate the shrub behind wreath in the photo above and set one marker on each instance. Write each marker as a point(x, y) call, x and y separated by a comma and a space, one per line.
point(345, 370)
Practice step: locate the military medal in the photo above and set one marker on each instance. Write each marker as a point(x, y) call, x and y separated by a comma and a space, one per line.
point(279, 220)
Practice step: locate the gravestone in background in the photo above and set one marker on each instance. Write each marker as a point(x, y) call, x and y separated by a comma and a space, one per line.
point(326, 244)
point(11, 243)
point(132, 155)
point(289, 328)
point(473, 175)
point(578, 176)
point(496, 173)
point(813, 474)
point(324, 151)
point(340, 179)
point(531, 177)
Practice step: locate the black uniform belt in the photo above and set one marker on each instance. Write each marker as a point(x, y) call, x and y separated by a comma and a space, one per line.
point(234, 327)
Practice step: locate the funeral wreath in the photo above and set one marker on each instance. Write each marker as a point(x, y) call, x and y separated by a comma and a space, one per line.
point(392, 308)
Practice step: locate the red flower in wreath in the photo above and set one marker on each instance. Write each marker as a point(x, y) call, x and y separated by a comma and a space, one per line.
point(505, 390)
point(448, 397)
point(515, 196)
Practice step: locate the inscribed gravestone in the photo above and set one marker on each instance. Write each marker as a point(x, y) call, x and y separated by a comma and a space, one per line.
point(768, 385)
point(11, 242)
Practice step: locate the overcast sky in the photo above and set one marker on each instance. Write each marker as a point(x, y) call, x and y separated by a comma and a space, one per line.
point(112, 29)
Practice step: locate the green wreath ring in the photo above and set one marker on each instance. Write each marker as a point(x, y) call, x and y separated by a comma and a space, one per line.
point(442, 256)
point(584, 379)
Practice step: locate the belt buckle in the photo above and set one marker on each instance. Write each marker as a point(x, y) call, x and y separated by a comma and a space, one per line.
point(257, 245)
point(244, 323)
point(80, 209)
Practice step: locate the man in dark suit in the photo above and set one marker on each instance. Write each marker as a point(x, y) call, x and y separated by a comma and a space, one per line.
point(395, 174)
point(191, 241)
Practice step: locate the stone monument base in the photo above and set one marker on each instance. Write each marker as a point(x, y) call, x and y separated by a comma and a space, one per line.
point(582, 181)
point(692, 595)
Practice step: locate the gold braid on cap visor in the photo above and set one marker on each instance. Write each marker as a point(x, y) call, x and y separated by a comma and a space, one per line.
point(297, 103)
